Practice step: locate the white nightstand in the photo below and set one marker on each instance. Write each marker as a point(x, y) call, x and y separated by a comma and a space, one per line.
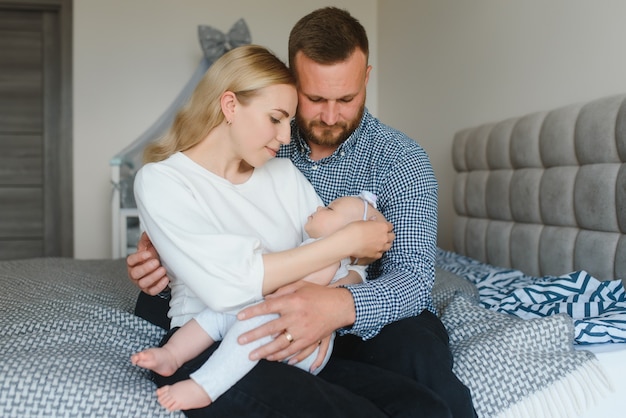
point(125, 229)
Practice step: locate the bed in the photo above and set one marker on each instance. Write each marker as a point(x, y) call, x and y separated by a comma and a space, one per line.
point(540, 230)
point(69, 331)
point(531, 295)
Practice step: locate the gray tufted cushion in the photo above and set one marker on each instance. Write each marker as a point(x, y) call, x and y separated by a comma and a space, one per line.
point(545, 193)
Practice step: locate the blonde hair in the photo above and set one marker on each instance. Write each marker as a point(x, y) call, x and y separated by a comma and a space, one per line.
point(243, 70)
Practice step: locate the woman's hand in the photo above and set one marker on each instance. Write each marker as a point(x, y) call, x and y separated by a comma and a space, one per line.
point(369, 239)
point(144, 268)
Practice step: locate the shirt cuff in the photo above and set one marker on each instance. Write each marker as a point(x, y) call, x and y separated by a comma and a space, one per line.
point(366, 324)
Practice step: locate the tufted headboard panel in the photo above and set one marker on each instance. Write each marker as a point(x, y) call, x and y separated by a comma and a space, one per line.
point(545, 193)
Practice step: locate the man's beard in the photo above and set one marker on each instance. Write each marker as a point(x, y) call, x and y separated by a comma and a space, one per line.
point(327, 137)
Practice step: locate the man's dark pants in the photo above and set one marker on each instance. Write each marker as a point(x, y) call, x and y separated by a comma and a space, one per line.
point(405, 371)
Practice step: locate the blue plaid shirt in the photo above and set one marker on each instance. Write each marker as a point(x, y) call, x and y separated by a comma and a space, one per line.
point(395, 168)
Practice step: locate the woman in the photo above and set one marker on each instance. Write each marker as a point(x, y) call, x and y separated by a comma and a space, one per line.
point(231, 362)
point(227, 217)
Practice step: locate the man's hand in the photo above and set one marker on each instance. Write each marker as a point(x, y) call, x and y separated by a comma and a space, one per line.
point(308, 314)
point(144, 268)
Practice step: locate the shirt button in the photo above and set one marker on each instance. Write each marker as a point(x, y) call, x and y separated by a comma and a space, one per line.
point(314, 167)
point(342, 153)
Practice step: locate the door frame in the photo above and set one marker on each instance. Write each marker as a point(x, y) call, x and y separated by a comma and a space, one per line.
point(58, 194)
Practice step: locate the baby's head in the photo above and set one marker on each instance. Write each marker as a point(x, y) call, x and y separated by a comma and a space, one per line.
point(340, 212)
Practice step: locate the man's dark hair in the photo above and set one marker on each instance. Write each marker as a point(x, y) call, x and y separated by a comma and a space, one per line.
point(327, 36)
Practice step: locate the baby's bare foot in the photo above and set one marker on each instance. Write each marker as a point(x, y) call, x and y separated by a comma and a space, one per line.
point(159, 360)
point(183, 395)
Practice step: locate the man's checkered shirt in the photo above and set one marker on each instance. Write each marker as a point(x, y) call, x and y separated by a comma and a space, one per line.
point(397, 170)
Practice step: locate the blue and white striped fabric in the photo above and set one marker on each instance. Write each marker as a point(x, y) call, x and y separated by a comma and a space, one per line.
point(598, 308)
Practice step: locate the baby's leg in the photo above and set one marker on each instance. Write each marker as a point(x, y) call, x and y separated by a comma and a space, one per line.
point(230, 362)
point(185, 344)
point(183, 395)
point(308, 361)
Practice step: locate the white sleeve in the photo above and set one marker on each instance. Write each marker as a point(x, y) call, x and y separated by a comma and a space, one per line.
point(344, 269)
point(361, 270)
point(224, 271)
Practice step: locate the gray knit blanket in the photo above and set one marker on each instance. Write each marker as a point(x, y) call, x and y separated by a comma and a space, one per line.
point(69, 330)
point(68, 333)
point(522, 368)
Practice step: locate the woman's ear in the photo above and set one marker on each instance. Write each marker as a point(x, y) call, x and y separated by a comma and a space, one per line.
point(228, 101)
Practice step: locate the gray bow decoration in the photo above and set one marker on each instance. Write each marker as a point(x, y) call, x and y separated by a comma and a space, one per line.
point(215, 43)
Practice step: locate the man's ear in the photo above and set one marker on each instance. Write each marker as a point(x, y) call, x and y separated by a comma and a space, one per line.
point(367, 74)
point(228, 101)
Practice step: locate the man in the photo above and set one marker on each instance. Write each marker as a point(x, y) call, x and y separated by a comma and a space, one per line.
point(388, 322)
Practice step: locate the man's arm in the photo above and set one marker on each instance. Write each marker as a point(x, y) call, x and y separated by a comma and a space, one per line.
point(403, 279)
point(307, 311)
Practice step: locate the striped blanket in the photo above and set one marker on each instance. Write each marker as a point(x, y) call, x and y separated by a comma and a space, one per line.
point(598, 308)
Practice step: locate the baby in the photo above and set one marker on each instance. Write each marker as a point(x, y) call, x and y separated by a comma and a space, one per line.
point(328, 219)
point(230, 362)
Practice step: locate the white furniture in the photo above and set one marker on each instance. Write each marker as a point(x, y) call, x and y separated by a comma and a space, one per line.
point(127, 232)
point(124, 216)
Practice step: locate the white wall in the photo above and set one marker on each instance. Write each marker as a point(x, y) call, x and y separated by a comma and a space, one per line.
point(131, 58)
point(446, 65)
point(439, 66)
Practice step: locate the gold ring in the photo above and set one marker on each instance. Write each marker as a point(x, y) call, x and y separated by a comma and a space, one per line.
point(288, 336)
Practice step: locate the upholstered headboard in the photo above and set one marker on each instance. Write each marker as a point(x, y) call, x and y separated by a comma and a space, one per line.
point(545, 193)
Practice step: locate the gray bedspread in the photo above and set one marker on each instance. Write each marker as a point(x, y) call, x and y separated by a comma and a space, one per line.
point(68, 333)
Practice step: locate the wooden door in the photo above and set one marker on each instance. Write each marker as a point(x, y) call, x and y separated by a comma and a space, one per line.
point(35, 136)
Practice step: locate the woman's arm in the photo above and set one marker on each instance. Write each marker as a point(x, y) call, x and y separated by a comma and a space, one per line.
point(361, 239)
